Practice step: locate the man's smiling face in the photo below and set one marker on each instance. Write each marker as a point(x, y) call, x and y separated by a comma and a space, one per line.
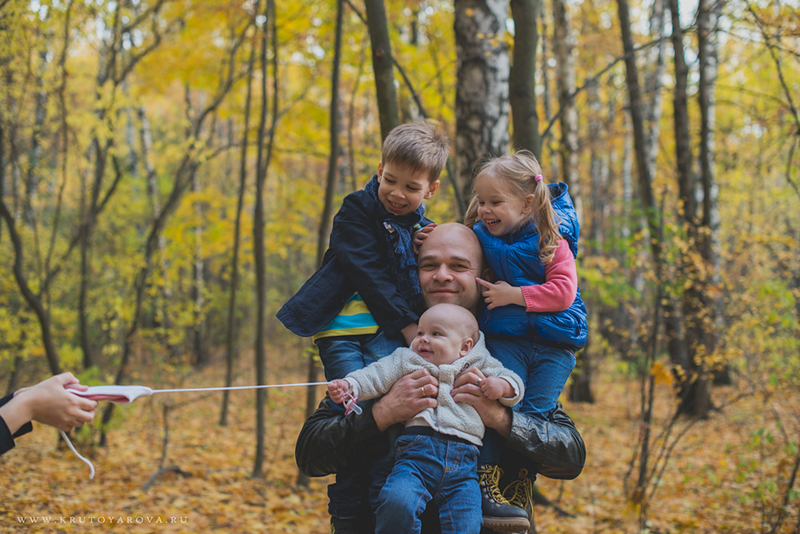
point(449, 260)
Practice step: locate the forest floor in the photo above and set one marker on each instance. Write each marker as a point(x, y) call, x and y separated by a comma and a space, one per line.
point(709, 485)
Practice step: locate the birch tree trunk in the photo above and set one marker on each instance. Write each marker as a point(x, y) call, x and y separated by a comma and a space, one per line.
point(382, 66)
point(673, 327)
point(522, 80)
point(563, 45)
point(482, 85)
point(652, 82)
point(146, 139)
point(547, 97)
point(708, 46)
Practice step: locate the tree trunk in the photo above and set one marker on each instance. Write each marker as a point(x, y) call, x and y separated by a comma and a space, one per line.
point(482, 85)
point(696, 388)
point(263, 161)
point(327, 209)
point(201, 355)
point(146, 138)
point(597, 154)
point(522, 80)
point(230, 352)
point(30, 297)
point(708, 46)
point(563, 45)
point(677, 347)
point(547, 99)
point(382, 66)
point(652, 82)
point(2, 165)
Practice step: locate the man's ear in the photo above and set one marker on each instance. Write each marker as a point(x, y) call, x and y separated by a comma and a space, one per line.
point(488, 275)
point(431, 189)
point(466, 346)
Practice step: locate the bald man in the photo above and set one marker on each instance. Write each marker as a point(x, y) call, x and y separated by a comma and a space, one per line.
point(548, 444)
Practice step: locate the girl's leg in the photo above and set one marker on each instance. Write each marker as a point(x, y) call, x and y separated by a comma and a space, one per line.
point(548, 372)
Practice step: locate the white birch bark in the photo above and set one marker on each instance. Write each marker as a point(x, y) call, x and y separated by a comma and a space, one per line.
point(482, 84)
point(563, 46)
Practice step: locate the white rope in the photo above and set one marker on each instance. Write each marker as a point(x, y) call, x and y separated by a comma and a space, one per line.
point(91, 467)
point(69, 444)
point(229, 388)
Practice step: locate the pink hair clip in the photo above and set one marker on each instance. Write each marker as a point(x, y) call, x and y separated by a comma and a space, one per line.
point(350, 404)
point(537, 178)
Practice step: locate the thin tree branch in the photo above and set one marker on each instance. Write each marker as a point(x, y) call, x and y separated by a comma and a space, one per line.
point(33, 300)
point(777, 61)
point(82, 229)
point(594, 78)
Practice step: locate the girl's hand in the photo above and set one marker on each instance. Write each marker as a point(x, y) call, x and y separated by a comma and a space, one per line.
point(500, 294)
point(337, 390)
point(421, 235)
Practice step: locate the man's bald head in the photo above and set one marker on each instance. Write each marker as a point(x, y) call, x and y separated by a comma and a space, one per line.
point(449, 260)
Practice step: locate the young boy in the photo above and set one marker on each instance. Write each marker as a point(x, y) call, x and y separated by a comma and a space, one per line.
point(437, 454)
point(368, 281)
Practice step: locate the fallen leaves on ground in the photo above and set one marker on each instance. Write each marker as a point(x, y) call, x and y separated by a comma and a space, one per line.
point(708, 485)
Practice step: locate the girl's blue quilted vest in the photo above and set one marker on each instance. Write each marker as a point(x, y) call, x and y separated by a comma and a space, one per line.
point(514, 258)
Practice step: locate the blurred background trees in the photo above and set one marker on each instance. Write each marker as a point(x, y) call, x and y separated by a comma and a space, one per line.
point(164, 168)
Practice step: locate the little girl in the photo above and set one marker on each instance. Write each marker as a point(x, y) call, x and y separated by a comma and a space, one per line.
point(534, 317)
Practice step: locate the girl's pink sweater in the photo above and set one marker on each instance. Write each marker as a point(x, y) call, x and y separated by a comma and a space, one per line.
point(561, 285)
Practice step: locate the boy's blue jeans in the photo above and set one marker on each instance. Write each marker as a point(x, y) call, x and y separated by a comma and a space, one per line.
point(340, 356)
point(431, 467)
point(544, 368)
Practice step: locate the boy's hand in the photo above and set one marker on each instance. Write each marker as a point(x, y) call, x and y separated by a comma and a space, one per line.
point(500, 294)
point(337, 390)
point(421, 235)
point(495, 388)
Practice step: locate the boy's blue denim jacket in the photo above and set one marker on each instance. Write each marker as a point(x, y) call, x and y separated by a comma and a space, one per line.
point(357, 260)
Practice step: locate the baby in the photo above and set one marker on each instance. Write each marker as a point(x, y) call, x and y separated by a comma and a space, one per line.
point(438, 452)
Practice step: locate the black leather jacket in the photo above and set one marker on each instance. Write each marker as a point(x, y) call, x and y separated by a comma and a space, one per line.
point(551, 446)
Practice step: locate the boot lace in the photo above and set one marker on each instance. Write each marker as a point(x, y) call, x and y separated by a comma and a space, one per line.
point(520, 492)
point(490, 479)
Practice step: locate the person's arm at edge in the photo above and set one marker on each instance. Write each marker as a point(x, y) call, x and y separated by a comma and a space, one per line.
point(12, 425)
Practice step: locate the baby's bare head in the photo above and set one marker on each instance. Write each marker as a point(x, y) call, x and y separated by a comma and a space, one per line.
point(446, 332)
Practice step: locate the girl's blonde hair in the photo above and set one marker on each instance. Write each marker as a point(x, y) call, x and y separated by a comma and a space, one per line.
point(519, 172)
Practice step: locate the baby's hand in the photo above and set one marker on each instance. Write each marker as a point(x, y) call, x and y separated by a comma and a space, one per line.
point(337, 389)
point(421, 235)
point(494, 388)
